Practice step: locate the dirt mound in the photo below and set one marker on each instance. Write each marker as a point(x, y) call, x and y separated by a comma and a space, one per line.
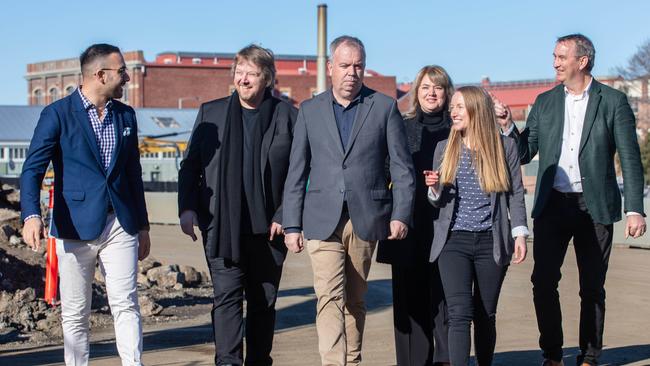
point(25, 316)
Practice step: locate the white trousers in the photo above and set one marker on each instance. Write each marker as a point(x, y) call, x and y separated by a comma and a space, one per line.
point(117, 253)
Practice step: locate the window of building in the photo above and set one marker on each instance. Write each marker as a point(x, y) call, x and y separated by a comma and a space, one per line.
point(125, 93)
point(149, 155)
point(17, 153)
point(69, 90)
point(54, 94)
point(168, 61)
point(39, 97)
point(2, 153)
point(196, 61)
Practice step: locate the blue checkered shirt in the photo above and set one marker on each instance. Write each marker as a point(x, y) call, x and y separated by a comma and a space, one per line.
point(104, 129)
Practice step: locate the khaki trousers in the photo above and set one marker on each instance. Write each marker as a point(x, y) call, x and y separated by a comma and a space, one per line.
point(341, 265)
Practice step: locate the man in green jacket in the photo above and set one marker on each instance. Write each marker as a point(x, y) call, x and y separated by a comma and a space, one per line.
point(577, 127)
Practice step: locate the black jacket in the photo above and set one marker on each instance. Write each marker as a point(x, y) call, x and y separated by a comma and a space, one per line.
point(198, 177)
point(422, 141)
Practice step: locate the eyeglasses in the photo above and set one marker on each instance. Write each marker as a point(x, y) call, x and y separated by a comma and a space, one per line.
point(121, 70)
point(250, 74)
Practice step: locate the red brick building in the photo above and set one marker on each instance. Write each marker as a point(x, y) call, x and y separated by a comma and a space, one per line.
point(184, 79)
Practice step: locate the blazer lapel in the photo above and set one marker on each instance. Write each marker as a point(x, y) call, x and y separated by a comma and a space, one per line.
point(557, 122)
point(267, 139)
point(330, 120)
point(81, 116)
point(362, 112)
point(590, 115)
point(118, 124)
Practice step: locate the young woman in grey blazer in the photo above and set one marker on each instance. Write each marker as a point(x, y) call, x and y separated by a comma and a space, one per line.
point(476, 184)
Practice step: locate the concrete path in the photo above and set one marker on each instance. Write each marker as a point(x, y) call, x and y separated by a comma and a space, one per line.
point(627, 334)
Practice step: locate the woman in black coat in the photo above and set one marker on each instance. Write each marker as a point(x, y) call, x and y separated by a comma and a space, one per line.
point(419, 309)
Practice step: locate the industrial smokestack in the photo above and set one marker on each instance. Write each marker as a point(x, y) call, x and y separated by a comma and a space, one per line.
point(321, 58)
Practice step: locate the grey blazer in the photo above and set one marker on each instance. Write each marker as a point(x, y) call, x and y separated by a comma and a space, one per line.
point(506, 207)
point(356, 173)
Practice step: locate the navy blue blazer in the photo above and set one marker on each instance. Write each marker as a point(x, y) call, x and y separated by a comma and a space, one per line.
point(82, 187)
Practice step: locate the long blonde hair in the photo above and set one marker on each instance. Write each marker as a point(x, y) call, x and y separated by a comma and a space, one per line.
point(439, 76)
point(488, 156)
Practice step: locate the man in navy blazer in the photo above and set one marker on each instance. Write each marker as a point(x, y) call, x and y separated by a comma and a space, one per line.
point(99, 209)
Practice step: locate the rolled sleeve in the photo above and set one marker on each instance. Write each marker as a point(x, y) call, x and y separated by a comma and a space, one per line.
point(520, 231)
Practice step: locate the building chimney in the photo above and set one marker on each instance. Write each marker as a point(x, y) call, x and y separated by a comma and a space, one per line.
point(321, 58)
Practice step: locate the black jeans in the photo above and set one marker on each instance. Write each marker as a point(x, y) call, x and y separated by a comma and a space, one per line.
point(258, 277)
point(564, 217)
point(419, 315)
point(472, 282)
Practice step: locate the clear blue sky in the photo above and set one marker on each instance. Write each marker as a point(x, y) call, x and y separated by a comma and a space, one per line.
point(502, 39)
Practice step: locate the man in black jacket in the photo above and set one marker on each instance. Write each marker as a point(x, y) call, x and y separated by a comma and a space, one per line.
point(230, 184)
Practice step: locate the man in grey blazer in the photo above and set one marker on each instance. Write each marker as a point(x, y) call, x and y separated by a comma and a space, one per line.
point(341, 141)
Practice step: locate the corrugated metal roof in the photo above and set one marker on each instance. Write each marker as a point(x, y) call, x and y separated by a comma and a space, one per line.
point(150, 124)
point(17, 123)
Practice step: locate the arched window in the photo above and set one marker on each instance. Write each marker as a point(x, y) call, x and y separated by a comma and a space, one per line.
point(54, 95)
point(69, 90)
point(39, 97)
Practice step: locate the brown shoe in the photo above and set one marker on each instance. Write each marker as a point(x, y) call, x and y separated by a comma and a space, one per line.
point(548, 362)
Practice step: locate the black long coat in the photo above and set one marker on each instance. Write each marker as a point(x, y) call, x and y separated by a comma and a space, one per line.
point(416, 246)
point(198, 178)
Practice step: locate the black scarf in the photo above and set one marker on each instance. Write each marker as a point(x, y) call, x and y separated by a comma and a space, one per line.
point(230, 178)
